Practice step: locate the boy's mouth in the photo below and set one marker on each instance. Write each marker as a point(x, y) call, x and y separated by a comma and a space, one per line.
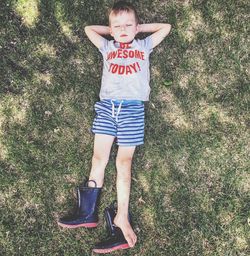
point(124, 35)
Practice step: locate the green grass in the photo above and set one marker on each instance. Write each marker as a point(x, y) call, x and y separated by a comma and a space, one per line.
point(190, 187)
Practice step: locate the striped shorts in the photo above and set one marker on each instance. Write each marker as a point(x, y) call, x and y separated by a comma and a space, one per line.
point(123, 119)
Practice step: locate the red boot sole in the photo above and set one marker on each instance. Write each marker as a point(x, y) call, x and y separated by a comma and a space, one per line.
point(85, 225)
point(119, 247)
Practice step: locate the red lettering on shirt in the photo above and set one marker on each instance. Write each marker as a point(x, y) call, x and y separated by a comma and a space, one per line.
point(114, 68)
point(121, 69)
point(128, 70)
point(125, 45)
point(112, 55)
point(142, 55)
point(119, 53)
point(131, 54)
point(138, 66)
point(124, 53)
point(133, 67)
point(111, 65)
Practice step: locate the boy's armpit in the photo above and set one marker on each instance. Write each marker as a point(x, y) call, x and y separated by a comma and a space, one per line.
point(148, 44)
point(103, 45)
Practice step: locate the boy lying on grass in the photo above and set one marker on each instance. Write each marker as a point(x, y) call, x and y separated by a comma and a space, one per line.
point(119, 113)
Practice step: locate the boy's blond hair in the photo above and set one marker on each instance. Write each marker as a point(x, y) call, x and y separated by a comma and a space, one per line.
point(123, 6)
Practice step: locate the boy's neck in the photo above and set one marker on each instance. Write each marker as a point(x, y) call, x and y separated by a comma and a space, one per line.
point(124, 45)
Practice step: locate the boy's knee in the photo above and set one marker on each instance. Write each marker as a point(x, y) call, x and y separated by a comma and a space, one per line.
point(100, 159)
point(123, 162)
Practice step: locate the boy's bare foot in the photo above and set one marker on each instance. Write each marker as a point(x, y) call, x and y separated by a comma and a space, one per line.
point(128, 232)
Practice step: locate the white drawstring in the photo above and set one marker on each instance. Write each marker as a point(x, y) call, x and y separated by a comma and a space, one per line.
point(113, 108)
point(118, 110)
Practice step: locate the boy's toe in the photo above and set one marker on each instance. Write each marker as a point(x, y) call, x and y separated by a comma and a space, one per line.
point(130, 239)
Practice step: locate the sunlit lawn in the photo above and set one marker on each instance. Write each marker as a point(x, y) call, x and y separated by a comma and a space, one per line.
point(190, 187)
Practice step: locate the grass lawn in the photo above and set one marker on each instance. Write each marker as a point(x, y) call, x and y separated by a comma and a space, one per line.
point(191, 181)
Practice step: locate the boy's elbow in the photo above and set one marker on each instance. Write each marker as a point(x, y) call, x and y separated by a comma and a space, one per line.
point(86, 28)
point(168, 27)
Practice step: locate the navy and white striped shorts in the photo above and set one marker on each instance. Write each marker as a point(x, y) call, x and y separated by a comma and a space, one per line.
point(123, 119)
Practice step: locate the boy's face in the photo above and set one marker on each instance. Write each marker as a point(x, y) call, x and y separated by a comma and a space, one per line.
point(123, 26)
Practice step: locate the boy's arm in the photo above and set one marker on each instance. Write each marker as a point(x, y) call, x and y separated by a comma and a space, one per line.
point(159, 30)
point(95, 32)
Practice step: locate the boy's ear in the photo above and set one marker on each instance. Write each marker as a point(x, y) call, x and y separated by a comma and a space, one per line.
point(137, 28)
point(110, 31)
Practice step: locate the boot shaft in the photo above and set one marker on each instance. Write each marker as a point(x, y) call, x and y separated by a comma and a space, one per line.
point(109, 214)
point(86, 214)
point(88, 200)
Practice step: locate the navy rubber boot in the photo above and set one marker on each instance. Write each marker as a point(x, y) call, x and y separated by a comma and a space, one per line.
point(86, 214)
point(116, 239)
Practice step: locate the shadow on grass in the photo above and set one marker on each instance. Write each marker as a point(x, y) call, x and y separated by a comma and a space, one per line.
point(188, 195)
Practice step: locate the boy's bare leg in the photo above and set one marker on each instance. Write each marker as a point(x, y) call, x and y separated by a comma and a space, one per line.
point(102, 147)
point(123, 164)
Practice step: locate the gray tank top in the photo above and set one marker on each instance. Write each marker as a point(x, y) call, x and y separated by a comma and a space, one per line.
point(126, 69)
